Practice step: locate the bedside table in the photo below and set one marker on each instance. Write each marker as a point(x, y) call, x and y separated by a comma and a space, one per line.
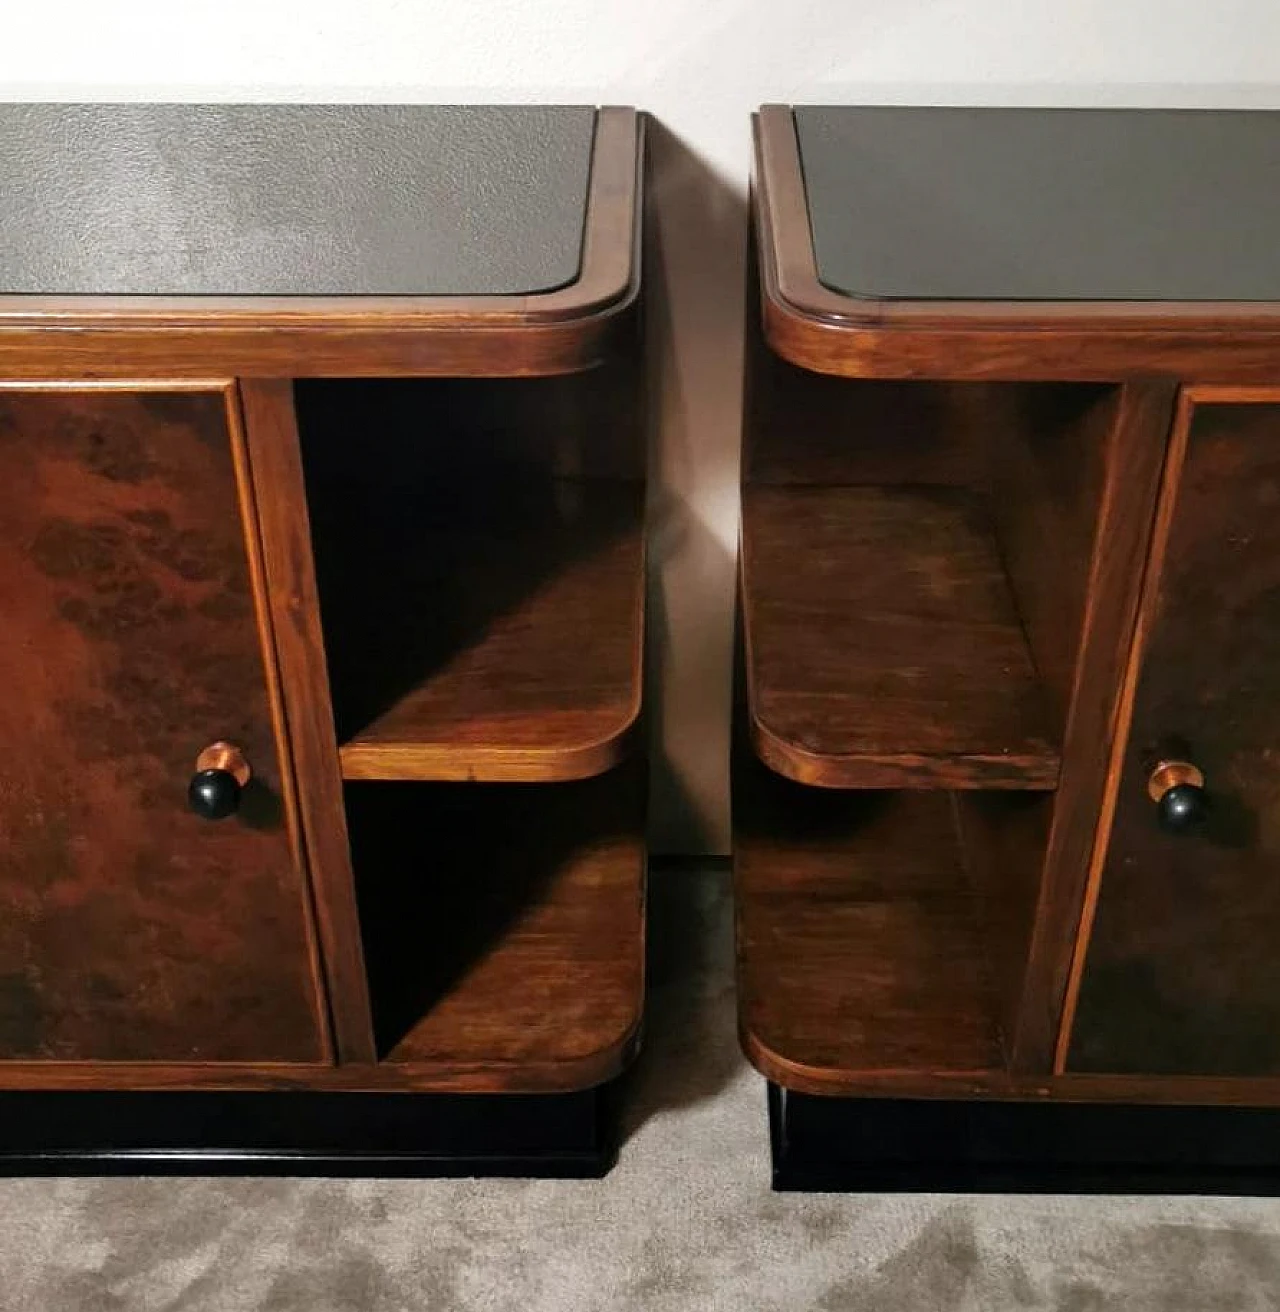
point(1005, 777)
point(321, 558)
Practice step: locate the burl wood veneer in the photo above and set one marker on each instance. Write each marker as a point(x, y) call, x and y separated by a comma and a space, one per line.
point(1003, 786)
point(132, 614)
point(322, 461)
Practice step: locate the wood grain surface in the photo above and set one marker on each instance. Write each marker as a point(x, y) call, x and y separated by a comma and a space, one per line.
point(130, 929)
point(883, 648)
point(1180, 977)
point(480, 558)
point(860, 948)
point(512, 656)
point(504, 926)
point(275, 460)
point(1132, 456)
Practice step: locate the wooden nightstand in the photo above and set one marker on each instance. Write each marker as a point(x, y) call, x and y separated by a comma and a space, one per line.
point(1006, 778)
point(321, 566)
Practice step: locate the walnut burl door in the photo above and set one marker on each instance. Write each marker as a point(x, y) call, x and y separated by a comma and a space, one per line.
point(132, 929)
point(1181, 974)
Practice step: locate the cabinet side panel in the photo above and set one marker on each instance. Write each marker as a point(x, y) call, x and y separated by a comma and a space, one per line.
point(131, 930)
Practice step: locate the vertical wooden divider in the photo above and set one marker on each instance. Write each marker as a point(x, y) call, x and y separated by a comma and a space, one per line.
point(1134, 460)
point(275, 462)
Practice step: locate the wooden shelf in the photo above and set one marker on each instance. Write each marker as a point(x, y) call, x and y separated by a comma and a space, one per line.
point(860, 950)
point(506, 945)
point(883, 648)
point(489, 632)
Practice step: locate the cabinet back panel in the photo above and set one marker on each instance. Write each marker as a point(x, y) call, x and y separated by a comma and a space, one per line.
point(129, 928)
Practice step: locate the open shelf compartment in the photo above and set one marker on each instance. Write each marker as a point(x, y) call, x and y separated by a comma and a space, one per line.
point(879, 931)
point(480, 559)
point(505, 936)
point(883, 645)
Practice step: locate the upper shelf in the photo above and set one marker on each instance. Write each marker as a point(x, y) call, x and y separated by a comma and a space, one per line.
point(896, 242)
point(496, 639)
point(317, 240)
point(882, 645)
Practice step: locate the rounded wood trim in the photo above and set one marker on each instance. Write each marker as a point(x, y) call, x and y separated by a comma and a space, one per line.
point(835, 1081)
point(828, 332)
point(1000, 1085)
point(451, 763)
point(532, 1076)
point(561, 331)
point(901, 769)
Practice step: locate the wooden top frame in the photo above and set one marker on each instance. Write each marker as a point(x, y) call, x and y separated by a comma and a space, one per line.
point(827, 332)
point(562, 331)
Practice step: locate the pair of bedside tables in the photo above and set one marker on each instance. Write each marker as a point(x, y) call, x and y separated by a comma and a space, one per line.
point(321, 559)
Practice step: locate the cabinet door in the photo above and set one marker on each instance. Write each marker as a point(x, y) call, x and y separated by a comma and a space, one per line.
point(1182, 970)
point(131, 638)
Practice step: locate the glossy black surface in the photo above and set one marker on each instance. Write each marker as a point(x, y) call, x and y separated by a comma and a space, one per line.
point(296, 1133)
point(1043, 204)
point(1182, 808)
point(214, 794)
point(859, 1144)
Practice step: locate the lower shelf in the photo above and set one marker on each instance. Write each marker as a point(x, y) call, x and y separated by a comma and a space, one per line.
point(504, 928)
point(860, 941)
point(335, 1134)
point(857, 1145)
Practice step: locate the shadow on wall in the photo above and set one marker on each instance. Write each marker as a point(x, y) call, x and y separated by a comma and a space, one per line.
point(696, 223)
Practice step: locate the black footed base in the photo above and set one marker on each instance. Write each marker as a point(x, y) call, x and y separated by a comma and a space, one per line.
point(334, 1134)
point(845, 1145)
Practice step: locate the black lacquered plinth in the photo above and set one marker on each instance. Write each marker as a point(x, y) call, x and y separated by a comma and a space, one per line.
point(328, 1134)
point(859, 1145)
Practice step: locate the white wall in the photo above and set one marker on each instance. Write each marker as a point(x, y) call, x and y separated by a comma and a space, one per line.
point(699, 66)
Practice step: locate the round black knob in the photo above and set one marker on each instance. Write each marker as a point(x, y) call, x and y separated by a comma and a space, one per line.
point(1182, 807)
point(214, 794)
point(1177, 789)
point(221, 775)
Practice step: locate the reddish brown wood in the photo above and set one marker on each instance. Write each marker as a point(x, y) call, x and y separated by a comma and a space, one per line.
point(282, 523)
point(550, 688)
point(882, 645)
point(505, 927)
point(480, 553)
point(481, 568)
point(1079, 341)
point(563, 331)
point(1073, 479)
point(1003, 836)
point(802, 428)
point(1070, 473)
point(1180, 976)
point(1081, 542)
point(131, 929)
point(573, 884)
point(1046, 447)
point(860, 952)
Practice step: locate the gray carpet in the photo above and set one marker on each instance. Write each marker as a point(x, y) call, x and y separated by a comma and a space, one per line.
point(686, 1221)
